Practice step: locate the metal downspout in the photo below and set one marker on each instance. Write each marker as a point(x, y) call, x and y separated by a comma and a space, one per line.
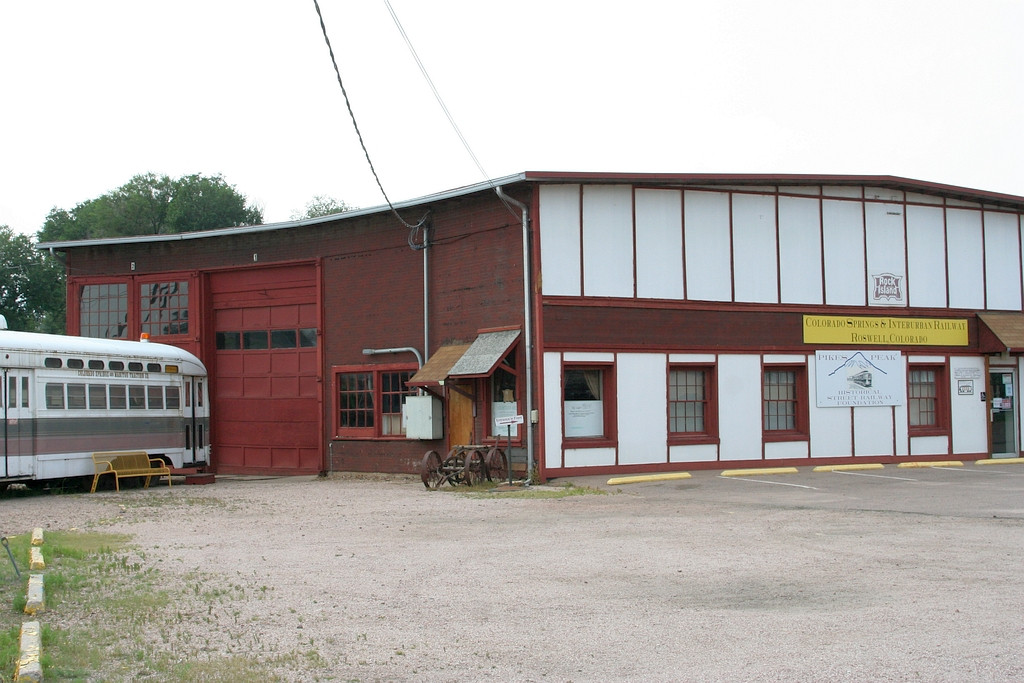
point(527, 333)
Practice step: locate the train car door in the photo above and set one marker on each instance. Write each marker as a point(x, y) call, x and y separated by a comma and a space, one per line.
point(195, 434)
point(17, 423)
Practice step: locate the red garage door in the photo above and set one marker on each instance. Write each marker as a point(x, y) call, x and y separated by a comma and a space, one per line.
point(266, 371)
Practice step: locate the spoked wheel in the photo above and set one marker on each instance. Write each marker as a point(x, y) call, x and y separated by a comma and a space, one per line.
point(474, 470)
point(430, 471)
point(497, 465)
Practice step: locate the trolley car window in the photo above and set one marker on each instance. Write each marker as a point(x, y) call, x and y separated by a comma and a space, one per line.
point(153, 367)
point(12, 392)
point(54, 396)
point(156, 397)
point(95, 365)
point(118, 397)
point(76, 363)
point(136, 397)
point(134, 366)
point(52, 363)
point(115, 365)
point(76, 396)
point(173, 398)
point(97, 397)
point(24, 392)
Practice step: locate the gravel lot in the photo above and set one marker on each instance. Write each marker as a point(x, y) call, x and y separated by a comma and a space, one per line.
point(901, 575)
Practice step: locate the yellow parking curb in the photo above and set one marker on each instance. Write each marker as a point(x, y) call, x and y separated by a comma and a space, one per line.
point(648, 477)
point(951, 463)
point(849, 468)
point(763, 470)
point(998, 461)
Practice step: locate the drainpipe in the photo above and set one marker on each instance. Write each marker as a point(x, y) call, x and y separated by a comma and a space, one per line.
point(398, 349)
point(527, 272)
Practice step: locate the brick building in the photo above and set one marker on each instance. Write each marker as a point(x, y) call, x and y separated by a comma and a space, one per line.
point(667, 321)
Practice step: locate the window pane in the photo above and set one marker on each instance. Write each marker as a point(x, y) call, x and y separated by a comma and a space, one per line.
point(779, 400)
point(229, 340)
point(54, 396)
point(104, 311)
point(922, 398)
point(355, 400)
point(97, 397)
point(136, 397)
point(254, 339)
point(163, 308)
point(393, 393)
point(687, 401)
point(582, 404)
point(307, 337)
point(173, 398)
point(283, 339)
point(118, 396)
point(76, 363)
point(156, 397)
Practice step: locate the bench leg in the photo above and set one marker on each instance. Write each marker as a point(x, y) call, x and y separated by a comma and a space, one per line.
point(146, 486)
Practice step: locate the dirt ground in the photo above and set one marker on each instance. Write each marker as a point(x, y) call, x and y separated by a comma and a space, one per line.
point(905, 577)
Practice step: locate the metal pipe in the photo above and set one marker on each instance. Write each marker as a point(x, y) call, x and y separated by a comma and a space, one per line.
point(527, 334)
point(426, 292)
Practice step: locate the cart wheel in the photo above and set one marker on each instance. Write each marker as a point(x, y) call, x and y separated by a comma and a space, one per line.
point(474, 470)
point(430, 471)
point(497, 465)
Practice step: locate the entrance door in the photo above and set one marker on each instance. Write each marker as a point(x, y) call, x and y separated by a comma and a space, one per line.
point(1003, 413)
point(460, 415)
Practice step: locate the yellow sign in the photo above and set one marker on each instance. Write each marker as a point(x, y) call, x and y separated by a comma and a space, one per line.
point(834, 329)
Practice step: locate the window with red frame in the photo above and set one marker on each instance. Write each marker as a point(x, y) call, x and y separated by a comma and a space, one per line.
point(691, 405)
point(927, 407)
point(588, 405)
point(369, 402)
point(784, 402)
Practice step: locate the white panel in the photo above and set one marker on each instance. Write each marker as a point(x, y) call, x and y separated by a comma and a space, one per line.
point(968, 414)
point(813, 190)
point(739, 407)
point(960, 202)
point(589, 357)
point(873, 431)
point(886, 251)
point(779, 450)
point(929, 445)
point(927, 359)
point(1002, 262)
point(589, 457)
point(692, 358)
point(788, 358)
point(642, 403)
point(966, 268)
point(659, 244)
point(560, 239)
point(800, 250)
point(924, 198)
point(926, 255)
point(883, 193)
point(705, 452)
point(755, 266)
point(830, 427)
point(842, 191)
point(843, 247)
point(608, 240)
point(708, 257)
point(552, 410)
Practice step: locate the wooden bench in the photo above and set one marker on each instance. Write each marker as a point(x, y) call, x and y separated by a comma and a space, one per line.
point(128, 464)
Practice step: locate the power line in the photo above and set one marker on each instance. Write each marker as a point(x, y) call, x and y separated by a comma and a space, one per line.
point(348, 104)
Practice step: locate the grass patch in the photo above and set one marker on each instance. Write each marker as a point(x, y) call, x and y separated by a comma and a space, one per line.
point(111, 614)
point(564, 490)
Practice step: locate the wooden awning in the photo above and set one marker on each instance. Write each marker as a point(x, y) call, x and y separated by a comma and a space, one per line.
point(999, 332)
point(435, 371)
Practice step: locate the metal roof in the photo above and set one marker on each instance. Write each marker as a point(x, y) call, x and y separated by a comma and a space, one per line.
point(558, 177)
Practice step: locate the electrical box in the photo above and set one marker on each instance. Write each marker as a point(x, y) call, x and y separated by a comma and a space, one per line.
point(424, 418)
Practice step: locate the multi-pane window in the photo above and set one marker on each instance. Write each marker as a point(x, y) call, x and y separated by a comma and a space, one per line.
point(783, 400)
point(926, 405)
point(369, 402)
point(690, 406)
point(163, 307)
point(104, 311)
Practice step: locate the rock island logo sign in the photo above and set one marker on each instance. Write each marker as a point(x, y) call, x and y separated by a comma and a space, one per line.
point(846, 379)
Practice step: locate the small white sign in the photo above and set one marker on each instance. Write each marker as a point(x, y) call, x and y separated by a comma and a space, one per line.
point(510, 420)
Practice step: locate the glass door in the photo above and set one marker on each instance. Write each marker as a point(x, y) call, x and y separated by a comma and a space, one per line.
point(1003, 412)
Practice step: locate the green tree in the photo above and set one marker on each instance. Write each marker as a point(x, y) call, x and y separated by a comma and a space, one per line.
point(153, 205)
point(321, 205)
point(32, 296)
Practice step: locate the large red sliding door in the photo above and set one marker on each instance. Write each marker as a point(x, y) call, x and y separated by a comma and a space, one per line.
point(266, 371)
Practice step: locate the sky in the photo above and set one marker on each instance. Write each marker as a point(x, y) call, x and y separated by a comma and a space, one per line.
point(94, 93)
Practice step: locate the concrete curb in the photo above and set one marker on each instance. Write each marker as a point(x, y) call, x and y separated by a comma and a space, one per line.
point(29, 669)
point(850, 468)
point(949, 463)
point(636, 479)
point(999, 461)
point(759, 471)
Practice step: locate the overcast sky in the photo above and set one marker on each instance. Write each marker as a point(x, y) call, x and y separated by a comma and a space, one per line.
point(97, 92)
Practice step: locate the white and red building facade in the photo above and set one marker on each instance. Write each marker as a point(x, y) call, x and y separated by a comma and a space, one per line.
point(654, 322)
